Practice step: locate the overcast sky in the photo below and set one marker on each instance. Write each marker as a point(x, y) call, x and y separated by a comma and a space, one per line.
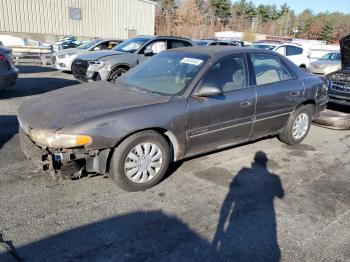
point(315, 5)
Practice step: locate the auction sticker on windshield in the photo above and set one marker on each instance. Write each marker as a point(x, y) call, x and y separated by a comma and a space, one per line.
point(191, 61)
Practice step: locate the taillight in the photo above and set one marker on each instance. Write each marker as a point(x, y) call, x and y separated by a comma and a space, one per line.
point(2, 58)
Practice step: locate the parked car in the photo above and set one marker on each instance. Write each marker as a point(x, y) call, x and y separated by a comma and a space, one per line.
point(327, 64)
point(8, 71)
point(109, 65)
point(180, 103)
point(66, 42)
point(211, 42)
point(339, 88)
point(303, 54)
point(296, 53)
point(62, 60)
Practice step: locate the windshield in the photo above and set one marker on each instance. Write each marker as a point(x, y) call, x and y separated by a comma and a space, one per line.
point(131, 45)
point(331, 57)
point(89, 44)
point(167, 73)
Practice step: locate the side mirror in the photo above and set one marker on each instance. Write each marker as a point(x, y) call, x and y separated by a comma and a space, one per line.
point(97, 48)
point(208, 90)
point(148, 52)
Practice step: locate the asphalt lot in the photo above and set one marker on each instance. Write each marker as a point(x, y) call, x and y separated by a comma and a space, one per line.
point(231, 205)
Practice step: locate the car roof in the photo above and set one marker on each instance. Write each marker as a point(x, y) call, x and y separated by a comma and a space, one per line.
point(217, 52)
point(109, 39)
point(173, 37)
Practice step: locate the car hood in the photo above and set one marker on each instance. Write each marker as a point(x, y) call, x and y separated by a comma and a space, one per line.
point(92, 56)
point(69, 105)
point(345, 52)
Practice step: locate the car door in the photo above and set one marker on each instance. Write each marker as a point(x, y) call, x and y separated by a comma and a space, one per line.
point(218, 121)
point(278, 91)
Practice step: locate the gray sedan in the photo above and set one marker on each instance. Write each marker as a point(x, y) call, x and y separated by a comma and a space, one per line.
point(177, 104)
point(8, 72)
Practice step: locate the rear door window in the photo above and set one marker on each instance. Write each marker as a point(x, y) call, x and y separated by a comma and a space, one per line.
point(178, 43)
point(293, 50)
point(268, 69)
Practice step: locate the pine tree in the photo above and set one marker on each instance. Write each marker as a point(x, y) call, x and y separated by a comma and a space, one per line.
point(326, 33)
point(222, 10)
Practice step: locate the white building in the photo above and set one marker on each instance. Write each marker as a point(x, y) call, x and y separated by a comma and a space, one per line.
point(47, 20)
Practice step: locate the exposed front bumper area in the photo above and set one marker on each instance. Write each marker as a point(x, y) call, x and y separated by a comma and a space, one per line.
point(66, 161)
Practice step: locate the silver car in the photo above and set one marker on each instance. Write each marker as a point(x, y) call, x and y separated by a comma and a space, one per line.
point(327, 64)
point(62, 60)
point(111, 64)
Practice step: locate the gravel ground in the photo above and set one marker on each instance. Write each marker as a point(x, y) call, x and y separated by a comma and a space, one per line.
point(264, 201)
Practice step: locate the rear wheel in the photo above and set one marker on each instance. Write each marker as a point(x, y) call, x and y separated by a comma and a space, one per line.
point(140, 161)
point(298, 125)
point(116, 74)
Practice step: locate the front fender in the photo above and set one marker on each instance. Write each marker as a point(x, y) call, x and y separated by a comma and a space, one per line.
point(110, 129)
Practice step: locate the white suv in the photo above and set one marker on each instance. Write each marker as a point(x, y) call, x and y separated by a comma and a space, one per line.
point(299, 55)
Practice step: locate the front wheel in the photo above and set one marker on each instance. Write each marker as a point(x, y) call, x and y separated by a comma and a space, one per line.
point(140, 161)
point(116, 74)
point(298, 125)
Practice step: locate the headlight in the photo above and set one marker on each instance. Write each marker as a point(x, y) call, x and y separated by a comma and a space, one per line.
point(70, 54)
point(98, 63)
point(62, 56)
point(56, 140)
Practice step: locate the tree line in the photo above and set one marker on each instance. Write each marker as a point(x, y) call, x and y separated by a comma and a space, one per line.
point(202, 18)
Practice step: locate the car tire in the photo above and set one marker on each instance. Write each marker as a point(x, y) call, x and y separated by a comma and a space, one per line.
point(140, 161)
point(116, 74)
point(298, 125)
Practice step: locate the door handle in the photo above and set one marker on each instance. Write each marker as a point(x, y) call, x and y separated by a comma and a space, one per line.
point(246, 104)
point(294, 93)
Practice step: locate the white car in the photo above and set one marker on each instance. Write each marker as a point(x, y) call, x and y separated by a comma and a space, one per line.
point(62, 60)
point(298, 54)
point(303, 54)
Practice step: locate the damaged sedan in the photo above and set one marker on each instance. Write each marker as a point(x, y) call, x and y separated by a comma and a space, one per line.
point(179, 103)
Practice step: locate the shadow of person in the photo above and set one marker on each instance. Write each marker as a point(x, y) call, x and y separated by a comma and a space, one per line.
point(246, 230)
